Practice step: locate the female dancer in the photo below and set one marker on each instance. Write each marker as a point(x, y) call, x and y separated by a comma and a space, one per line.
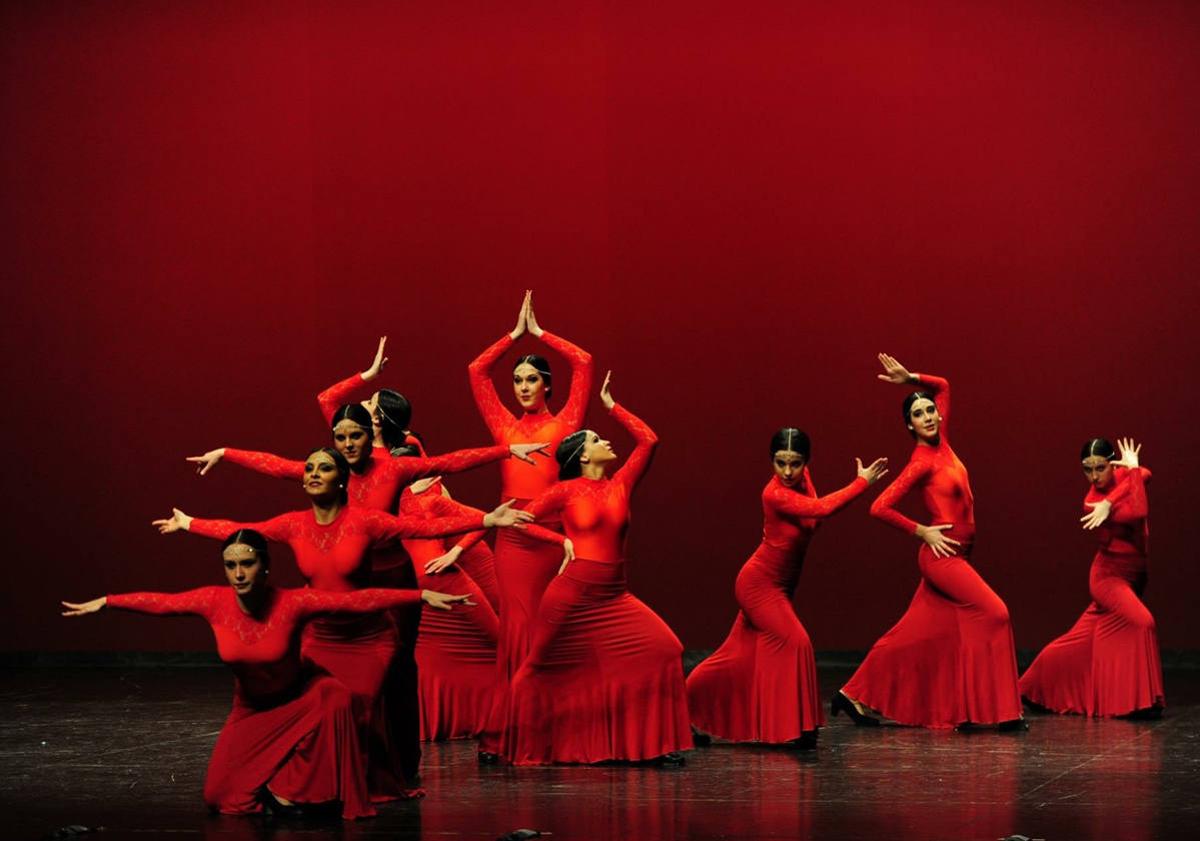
point(332, 543)
point(291, 738)
point(950, 660)
point(761, 684)
point(604, 675)
point(525, 566)
point(1107, 664)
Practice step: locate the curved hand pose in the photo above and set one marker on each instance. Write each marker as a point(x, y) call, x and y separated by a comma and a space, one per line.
point(603, 679)
point(761, 684)
point(280, 703)
point(524, 567)
point(1108, 663)
point(950, 660)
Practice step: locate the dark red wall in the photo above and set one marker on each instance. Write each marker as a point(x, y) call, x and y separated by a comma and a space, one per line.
point(212, 210)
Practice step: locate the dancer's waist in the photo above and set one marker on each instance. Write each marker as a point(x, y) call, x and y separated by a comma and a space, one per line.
point(341, 627)
point(597, 572)
point(1124, 564)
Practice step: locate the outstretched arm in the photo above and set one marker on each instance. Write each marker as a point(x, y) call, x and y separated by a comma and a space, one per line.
point(581, 369)
point(341, 392)
point(410, 468)
point(265, 463)
point(199, 601)
point(795, 505)
point(310, 601)
point(278, 528)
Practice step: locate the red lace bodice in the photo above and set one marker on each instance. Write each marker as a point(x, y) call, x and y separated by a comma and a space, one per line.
point(335, 556)
point(263, 650)
point(520, 479)
point(1127, 529)
point(595, 512)
point(942, 478)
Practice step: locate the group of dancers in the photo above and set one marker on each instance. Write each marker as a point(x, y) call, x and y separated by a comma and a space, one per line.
point(537, 648)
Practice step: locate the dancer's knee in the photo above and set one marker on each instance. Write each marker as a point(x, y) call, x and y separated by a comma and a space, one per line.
point(995, 611)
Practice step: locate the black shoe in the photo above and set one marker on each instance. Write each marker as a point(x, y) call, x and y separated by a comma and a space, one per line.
point(1015, 725)
point(806, 741)
point(672, 759)
point(1148, 714)
point(488, 758)
point(840, 703)
point(699, 738)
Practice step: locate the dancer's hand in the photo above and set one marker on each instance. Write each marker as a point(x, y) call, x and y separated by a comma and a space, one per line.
point(443, 562)
point(207, 461)
point(376, 366)
point(505, 515)
point(422, 485)
point(531, 319)
point(873, 473)
point(444, 601)
point(176, 522)
point(83, 609)
point(524, 451)
point(942, 546)
point(568, 555)
point(893, 371)
point(522, 317)
point(1129, 453)
point(1097, 515)
point(605, 394)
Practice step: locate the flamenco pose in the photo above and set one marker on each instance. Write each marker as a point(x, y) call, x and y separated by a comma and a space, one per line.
point(524, 566)
point(291, 739)
point(332, 543)
point(1107, 664)
point(761, 684)
point(604, 675)
point(950, 660)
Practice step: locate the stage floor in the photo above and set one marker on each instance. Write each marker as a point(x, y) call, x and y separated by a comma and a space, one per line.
point(126, 749)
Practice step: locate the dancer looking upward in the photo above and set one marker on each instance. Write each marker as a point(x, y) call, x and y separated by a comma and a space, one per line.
point(761, 684)
point(950, 660)
point(291, 738)
point(1108, 663)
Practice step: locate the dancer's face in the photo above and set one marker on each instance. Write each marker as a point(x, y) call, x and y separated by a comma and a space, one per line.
point(529, 387)
point(372, 406)
point(352, 441)
point(789, 466)
point(596, 450)
point(1099, 471)
point(924, 420)
point(321, 476)
point(244, 569)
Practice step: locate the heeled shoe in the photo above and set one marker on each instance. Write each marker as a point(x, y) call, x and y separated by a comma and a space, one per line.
point(699, 738)
point(672, 759)
point(488, 758)
point(806, 741)
point(840, 703)
point(1014, 725)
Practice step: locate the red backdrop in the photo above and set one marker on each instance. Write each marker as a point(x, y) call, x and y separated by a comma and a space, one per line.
point(212, 210)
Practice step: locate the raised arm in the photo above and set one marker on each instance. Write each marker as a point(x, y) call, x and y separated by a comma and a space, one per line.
point(409, 468)
point(199, 602)
point(638, 463)
point(1131, 504)
point(483, 388)
point(581, 369)
point(897, 374)
point(795, 505)
point(279, 529)
point(341, 392)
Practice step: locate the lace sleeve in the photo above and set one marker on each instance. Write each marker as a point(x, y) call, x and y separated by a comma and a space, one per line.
point(884, 506)
point(1132, 505)
point(494, 414)
point(310, 601)
point(279, 529)
point(581, 378)
point(940, 388)
point(415, 467)
point(199, 602)
point(383, 527)
point(266, 463)
point(797, 506)
point(638, 463)
point(332, 398)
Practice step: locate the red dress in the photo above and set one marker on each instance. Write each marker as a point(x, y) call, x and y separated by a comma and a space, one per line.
point(456, 650)
point(525, 566)
point(761, 684)
point(1107, 664)
point(291, 728)
point(357, 650)
point(950, 659)
point(604, 675)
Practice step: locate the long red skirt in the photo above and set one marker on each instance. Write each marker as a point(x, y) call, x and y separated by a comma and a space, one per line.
point(761, 684)
point(479, 563)
point(358, 651)
point(1107, 664)
point(524, 568)
point(456, 660)
point(604, 676)
point(950, 659)
point(304, 749)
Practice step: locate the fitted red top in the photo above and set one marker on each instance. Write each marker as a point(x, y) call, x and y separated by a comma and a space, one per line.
point(1127, 529)
point(263, 649)
point(595, 512)
point(520, 479)
point(335, 556)
point(379, 485)
point(938, 472)
point(432, 503)
point(792, 515)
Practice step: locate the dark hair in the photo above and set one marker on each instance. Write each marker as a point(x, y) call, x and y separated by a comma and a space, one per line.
point(908, 404)
point(339, 461)
point(354, 412)
point(568, 453)
point(395, 414)
point(540, 364)
point(1098, 447)
point(414, 445)
point(254, 540)
point(793, 439)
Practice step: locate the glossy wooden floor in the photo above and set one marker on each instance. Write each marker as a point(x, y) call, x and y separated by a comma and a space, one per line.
point(127, 749)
